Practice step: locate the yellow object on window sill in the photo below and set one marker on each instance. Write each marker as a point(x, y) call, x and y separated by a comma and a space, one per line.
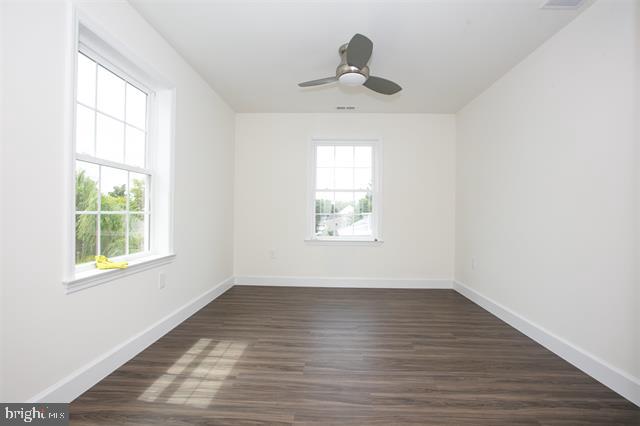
point(102, 262)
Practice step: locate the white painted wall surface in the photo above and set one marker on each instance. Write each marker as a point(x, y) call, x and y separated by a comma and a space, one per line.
point(46, 334)
point(271, 196)
point(547, 194)
point(547, 187)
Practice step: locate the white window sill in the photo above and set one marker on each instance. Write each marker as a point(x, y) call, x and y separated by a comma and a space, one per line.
point(343, 242)
point(94, 277)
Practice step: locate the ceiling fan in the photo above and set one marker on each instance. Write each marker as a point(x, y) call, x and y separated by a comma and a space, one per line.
point(353, 69)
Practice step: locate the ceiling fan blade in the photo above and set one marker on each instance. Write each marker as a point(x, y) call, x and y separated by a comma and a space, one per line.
point(382, 85)
point(318, 82)
point(359, 51)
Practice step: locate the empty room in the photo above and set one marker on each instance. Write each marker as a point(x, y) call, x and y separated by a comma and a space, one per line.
point(320, 212)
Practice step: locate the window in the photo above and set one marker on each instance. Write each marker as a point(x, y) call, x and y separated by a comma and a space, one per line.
point(345, 195)
point(113, 181)
point(120, 194)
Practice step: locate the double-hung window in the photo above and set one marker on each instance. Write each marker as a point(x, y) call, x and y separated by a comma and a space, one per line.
point(345, 193)
point(113, 177)
point(122, 181)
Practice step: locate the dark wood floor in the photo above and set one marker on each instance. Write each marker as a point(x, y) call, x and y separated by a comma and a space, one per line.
point(277, 355)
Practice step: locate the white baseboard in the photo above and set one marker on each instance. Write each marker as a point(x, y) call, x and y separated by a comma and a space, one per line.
point(343, 282)
point(617, 380)
point(78, 382)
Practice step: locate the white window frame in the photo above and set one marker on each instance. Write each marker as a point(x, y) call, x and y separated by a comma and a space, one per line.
point(376, 191)
point(147, 170)
point(89, 37)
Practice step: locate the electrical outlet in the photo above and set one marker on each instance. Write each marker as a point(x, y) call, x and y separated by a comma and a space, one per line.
point(473, 263)
point(272, 254)
point(162, 280)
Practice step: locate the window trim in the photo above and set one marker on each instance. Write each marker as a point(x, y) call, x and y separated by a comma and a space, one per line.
point(376, 170)
point(102, 61)
point(93, 277)
point(88, 36)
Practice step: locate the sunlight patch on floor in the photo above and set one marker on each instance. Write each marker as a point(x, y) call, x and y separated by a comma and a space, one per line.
point(195, 378)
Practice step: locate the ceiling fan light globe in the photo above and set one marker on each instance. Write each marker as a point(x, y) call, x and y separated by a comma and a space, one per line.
point(352, 79)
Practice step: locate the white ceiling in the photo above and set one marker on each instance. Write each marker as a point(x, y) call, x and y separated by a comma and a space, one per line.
point(442, 52)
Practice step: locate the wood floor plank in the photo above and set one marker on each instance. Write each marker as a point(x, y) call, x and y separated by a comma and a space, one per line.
point(323, 356)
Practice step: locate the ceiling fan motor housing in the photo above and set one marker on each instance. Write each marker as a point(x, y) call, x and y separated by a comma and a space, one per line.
point(348, 74)
point(352, 76)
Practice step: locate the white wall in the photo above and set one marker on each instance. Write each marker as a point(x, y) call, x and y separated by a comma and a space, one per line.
point(271, 191)
point(547, 193)
point(547, 187)
point(46, 334)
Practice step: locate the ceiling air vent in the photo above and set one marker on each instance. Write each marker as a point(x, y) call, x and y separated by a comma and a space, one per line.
point(561, 4)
